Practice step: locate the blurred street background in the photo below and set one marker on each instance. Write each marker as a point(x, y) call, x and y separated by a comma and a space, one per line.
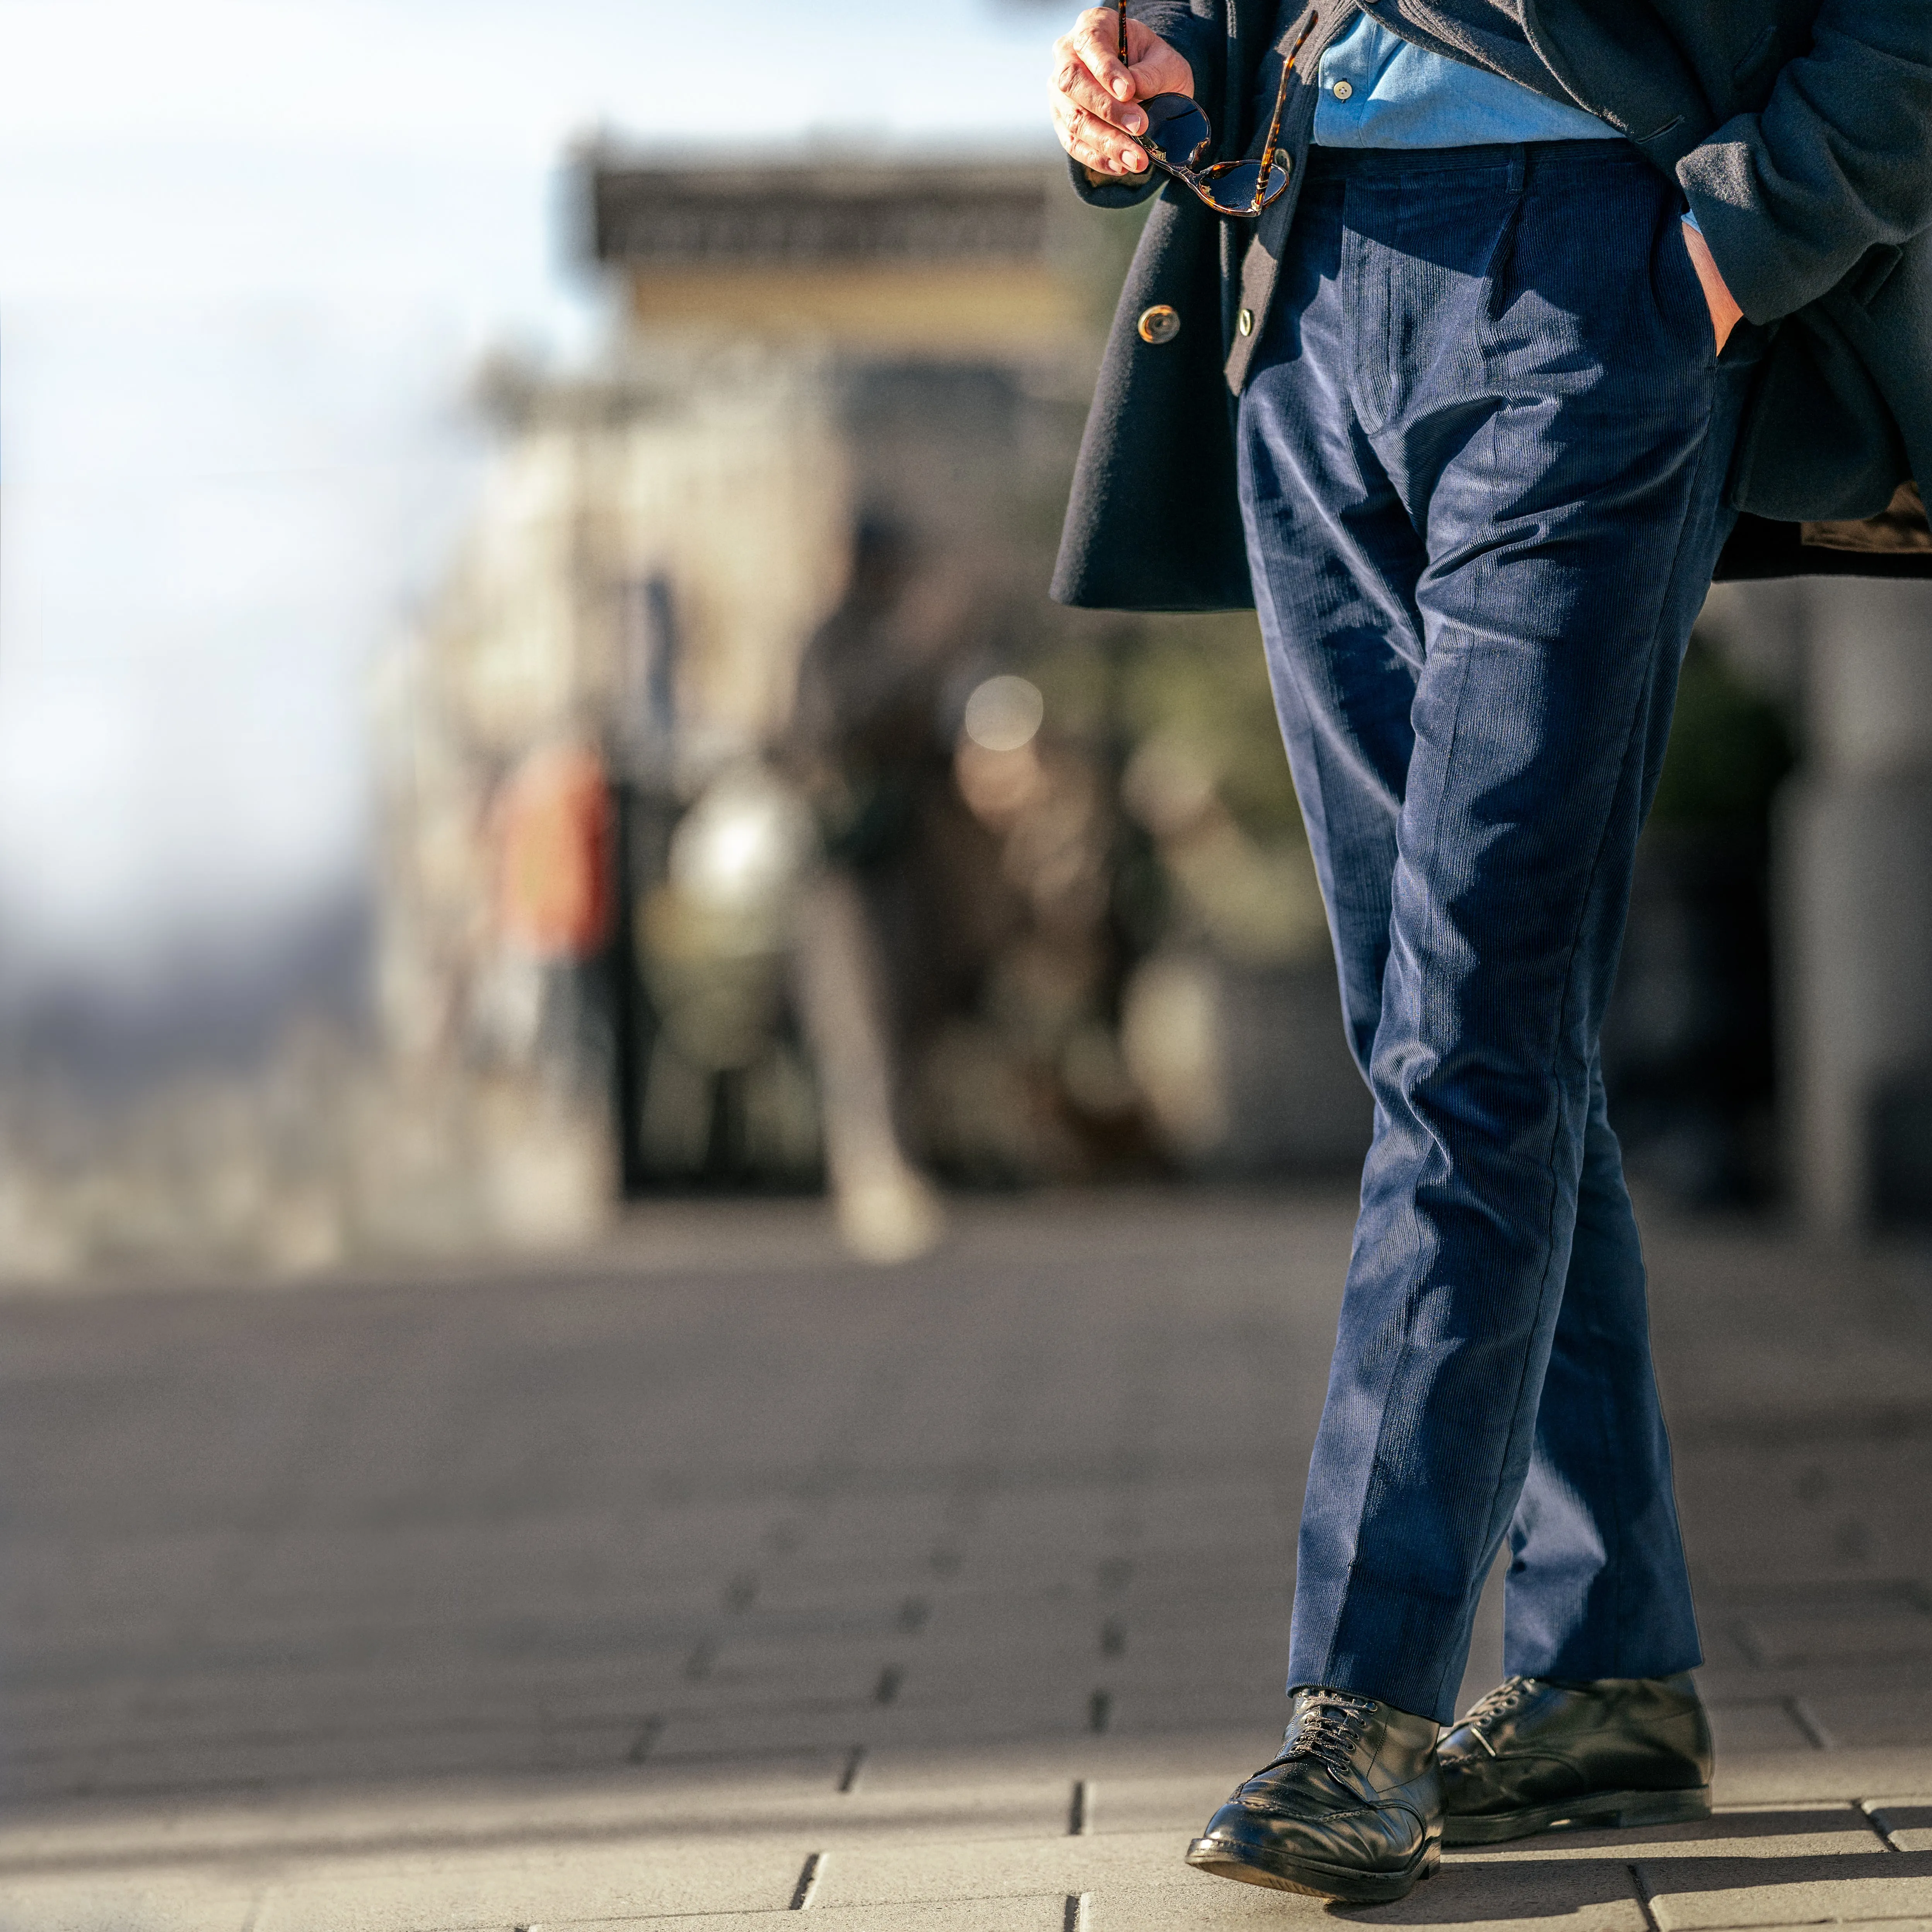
point(526, 686)
point(674, 1162)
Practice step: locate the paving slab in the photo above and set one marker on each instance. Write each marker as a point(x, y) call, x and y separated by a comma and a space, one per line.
point(1693, 1894)
point(888, 1874)
point(1596, 1893)
point(1043, 1914)
point(128, 1904)
point(619, 1589)
point(658, 1880)
point(1206, 1907)
point(1905, 1822)
point(1767, 1778)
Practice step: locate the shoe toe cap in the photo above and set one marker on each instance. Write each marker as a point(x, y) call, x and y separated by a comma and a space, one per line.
point(1360, 1841)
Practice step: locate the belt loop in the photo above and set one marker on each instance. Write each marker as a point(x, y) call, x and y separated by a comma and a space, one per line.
point(1519, 166)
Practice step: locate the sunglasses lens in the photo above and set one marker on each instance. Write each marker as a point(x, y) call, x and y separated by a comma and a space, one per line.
point(1236, 188)
point(1177, 130)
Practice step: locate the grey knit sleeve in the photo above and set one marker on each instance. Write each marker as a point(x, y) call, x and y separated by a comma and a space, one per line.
point(1839, 161)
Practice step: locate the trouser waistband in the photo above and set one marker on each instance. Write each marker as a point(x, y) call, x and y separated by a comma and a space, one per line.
point(1521, 159)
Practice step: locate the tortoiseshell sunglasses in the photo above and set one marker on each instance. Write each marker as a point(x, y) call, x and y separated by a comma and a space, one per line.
point(1177, 134)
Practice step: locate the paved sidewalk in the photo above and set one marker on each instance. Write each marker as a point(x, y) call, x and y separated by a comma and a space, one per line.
point(710, 1577)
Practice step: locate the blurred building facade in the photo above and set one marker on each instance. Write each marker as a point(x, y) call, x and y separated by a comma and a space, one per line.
point(750, 818)
point(744, 582)
point(1854, 891)
point(750, 583)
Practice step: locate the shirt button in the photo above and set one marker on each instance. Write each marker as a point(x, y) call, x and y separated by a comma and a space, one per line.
point(1343, 90)
point(1245, 321)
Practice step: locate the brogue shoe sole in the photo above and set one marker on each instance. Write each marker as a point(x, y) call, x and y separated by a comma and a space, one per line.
point(1600, 1810)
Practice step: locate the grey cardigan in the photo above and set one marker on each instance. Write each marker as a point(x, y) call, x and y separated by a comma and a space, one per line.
point(1800, 131)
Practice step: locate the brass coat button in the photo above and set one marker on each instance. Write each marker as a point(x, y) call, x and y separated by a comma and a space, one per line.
point(1159, 324)
point(1245, 321)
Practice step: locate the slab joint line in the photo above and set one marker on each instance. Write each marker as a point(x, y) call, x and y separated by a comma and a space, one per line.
point(1080, 1810)
point(1873, 1809)
point(1806, 1719)
point(1643, 1901)
point(809, 1874)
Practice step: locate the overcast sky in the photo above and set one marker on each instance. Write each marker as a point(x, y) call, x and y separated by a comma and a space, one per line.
point(249, 250)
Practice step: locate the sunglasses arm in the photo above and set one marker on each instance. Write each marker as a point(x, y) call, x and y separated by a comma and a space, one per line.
point(1281, 93)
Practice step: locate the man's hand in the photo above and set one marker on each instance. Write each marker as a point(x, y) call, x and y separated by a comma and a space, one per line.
point(1093, 95)
point(1725, 313)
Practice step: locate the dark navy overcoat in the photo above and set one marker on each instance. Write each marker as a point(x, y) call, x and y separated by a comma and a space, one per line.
point(1800, 132)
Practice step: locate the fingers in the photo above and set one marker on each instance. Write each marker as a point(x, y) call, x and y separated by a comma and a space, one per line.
point(1095, 96)
point(1155, 67)
point(1095, 143)
point(1093, 41)
point(1075, 81)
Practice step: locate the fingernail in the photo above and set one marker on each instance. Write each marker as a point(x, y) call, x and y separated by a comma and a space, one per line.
point(1133, 121)
point(1124, 88)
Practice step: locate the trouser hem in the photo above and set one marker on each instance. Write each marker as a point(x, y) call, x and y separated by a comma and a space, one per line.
point(1396, 1644)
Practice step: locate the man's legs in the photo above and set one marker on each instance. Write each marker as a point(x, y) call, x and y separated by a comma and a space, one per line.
point(1482, 476)
point(1596, 1585)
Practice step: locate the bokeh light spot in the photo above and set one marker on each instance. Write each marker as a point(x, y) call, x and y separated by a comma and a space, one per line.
point(1003, 714)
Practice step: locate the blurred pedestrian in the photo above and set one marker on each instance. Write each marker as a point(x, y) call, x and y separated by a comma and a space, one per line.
point(861, 745)
point(551, 827)
point(1558, 301)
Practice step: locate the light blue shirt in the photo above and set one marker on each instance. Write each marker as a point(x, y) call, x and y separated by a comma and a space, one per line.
point(1378, 91)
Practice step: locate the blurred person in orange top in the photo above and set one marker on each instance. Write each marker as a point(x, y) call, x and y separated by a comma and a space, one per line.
point(553, 833)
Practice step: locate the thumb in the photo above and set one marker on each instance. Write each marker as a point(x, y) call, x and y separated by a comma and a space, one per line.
point(1161, 70)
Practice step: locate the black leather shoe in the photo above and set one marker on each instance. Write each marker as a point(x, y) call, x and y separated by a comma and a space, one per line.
point(1350, 1809)
point(1535, 1755)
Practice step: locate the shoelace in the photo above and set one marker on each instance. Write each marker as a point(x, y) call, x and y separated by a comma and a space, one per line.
point(1329, 1725)
point(1498, 1702)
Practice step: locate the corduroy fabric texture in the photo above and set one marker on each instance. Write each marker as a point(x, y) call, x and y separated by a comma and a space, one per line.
point(1482, 455)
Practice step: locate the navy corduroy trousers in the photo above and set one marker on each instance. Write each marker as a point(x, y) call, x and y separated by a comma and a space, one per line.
point(1483, 455)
